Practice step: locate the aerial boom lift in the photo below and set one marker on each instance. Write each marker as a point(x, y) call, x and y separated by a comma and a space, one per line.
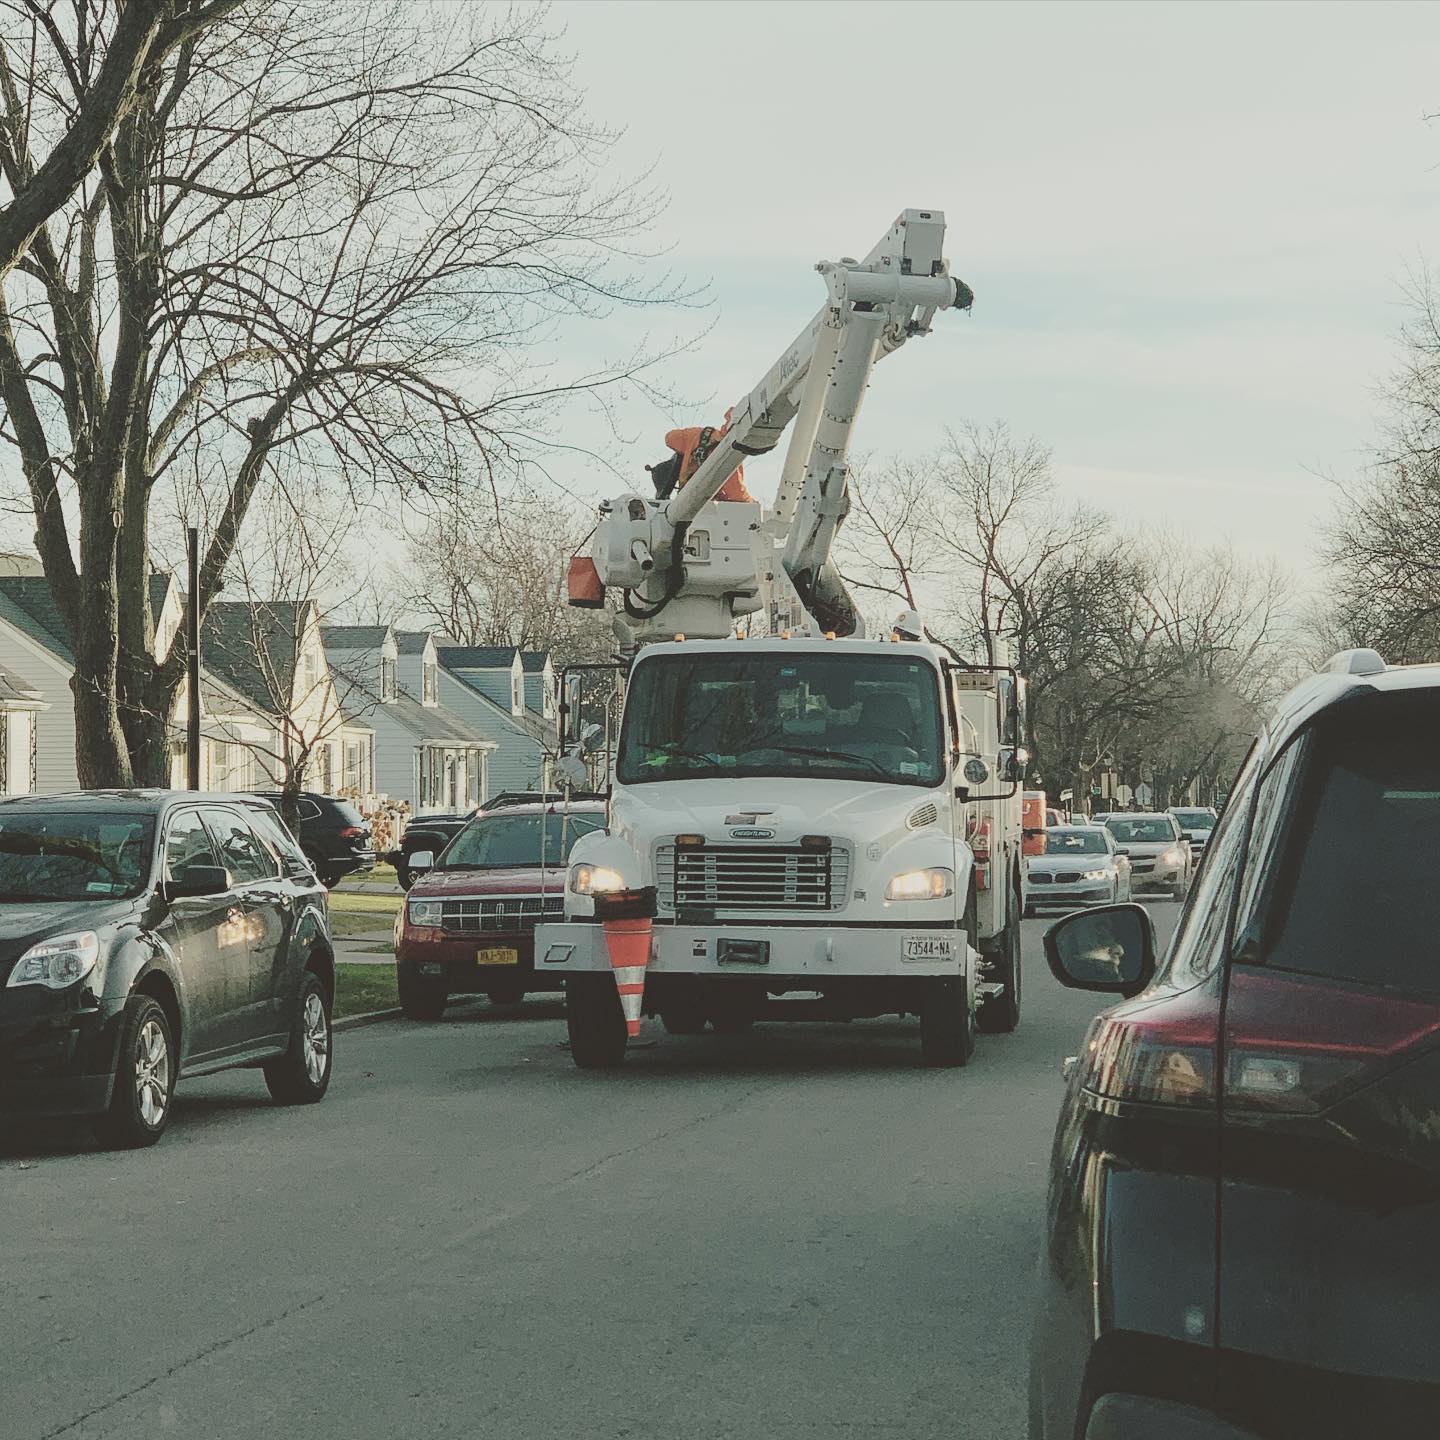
point(690, 563)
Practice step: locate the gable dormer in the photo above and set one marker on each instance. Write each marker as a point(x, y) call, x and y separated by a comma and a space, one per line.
point(418, 665)
point(368, 655)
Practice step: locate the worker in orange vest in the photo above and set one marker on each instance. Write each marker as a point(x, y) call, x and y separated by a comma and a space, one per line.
point(689, 446)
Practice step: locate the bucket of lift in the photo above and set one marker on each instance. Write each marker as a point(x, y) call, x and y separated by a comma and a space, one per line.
point(584, 586)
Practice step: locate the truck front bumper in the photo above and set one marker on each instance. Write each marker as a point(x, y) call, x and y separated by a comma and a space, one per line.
point(797, 957)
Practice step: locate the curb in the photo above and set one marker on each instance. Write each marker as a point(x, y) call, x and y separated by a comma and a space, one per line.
point(356, 1022)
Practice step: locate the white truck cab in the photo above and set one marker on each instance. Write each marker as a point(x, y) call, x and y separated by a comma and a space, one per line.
point(798, 809)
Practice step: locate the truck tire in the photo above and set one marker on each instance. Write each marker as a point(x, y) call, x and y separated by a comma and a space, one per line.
point(595, 1022)
point(420, 999)
point(947, 1028)
point(1000, 1014)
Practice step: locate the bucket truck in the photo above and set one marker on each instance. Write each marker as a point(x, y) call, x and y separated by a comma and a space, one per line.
point(790, 803)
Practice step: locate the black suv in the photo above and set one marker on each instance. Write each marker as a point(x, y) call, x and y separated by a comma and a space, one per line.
point(146, 934)
point(1244, 1210)
point(333, 833)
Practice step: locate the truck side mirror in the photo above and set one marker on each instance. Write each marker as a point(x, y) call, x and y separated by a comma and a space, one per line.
point(570, 710)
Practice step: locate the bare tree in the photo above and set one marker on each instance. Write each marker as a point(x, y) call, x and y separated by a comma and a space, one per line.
point(486, 584)
point(325, 241)
point(263, 636)
point(84, 66)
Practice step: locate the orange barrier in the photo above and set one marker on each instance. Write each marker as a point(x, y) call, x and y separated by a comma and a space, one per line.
point(628, 942)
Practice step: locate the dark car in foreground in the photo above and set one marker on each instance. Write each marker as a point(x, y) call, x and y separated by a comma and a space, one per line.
point(1244, 1197)
point(149, 935)
point(468, 926)
point(333, 833)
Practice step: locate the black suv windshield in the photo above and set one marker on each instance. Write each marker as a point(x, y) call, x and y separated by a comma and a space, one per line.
point(498, 842)
point(85, 856)
point(1074, 842)
point(1140, 832)
point(829, 715)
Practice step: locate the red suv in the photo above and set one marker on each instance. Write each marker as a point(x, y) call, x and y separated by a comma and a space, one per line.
point(468, 926)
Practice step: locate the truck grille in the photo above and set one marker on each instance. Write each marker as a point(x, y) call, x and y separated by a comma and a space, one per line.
point(508, 913)
point(751, 877)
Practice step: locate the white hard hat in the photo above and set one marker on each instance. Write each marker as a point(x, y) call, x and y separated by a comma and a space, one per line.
point(909, 626)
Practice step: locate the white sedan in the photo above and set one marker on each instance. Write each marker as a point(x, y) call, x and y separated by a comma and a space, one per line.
point(1080, 866)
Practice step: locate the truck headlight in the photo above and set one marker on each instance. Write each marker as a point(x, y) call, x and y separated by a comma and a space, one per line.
point(424, 912)
point(932, 884)
point(595, 879)
point(57, 963)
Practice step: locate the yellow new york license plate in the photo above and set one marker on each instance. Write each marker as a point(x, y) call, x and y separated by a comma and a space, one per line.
point(498, 956)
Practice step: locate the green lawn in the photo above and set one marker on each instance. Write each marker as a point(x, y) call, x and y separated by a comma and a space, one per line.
point(360, 989)
point(353, 912)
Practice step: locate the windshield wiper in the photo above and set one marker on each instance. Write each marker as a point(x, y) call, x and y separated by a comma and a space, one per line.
point(844, 756)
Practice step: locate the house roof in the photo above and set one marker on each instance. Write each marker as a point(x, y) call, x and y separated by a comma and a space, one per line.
point(353, 637)
point(251, 645)
point(541, 731)
point(534, 661)
point(28, 603)
point(412, 642)
point(16, 691)
point(477, 657)
point(426, 722)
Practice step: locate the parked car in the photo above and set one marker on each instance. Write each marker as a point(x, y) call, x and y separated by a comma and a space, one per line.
point(333, 833)
point(1197, 823)
point(468, 924)
point(1080, 866)
point(434, 832)
point(1245, 1185)
point(1159, 852)
point(151, 935)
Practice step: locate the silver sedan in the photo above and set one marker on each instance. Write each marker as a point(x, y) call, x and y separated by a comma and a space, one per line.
point(1080, 866)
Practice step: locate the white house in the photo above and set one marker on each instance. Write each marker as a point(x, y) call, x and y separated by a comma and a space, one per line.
point(426, 753)
point(20, 707)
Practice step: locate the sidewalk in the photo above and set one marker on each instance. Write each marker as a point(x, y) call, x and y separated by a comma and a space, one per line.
point(371, 947)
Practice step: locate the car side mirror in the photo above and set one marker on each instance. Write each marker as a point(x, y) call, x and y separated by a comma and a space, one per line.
point(1109, 950)
point(196, 880)
point(422, 860)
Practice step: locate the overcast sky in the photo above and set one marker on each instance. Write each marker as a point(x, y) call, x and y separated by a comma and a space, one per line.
point(1187, 226)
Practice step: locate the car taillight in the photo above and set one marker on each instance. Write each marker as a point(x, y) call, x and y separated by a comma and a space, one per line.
point(352, 832)
point(1295, 1044)
point(1161, 1053)
point(980, 843)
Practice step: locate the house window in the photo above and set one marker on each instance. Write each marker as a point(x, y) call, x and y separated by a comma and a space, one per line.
point(474, 768)
point(4, 752)
point(430, 693)
point(547, 692)
point(388, 668)
point(310, 673)
point(355, 765)
point(517, 692)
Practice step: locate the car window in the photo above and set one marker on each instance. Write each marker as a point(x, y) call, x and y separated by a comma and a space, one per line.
point(1199, 942)
point(1075, 842)
point(271, 829)
point(306, 809)
point(1355, 897)
point(240, 851)
point(187, 844)
point(1145, 831)
point(1274, 811)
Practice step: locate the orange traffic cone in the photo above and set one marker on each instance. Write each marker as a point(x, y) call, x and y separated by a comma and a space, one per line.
point(628, 942)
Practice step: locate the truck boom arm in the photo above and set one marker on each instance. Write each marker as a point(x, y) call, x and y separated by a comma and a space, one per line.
point(703, 579)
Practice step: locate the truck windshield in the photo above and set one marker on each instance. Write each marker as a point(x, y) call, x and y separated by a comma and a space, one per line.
point(832, 715)
point(501, 842)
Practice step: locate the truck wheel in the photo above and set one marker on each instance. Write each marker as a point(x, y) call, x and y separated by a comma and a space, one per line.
point(420, 999)
point(947, 1028)
point(1000, 1014)
point(595, 1021)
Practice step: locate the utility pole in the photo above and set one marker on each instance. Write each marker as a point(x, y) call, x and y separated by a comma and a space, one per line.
point(192, 664)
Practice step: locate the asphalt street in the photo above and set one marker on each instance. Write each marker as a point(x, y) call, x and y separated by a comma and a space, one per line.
point(791, 1234)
